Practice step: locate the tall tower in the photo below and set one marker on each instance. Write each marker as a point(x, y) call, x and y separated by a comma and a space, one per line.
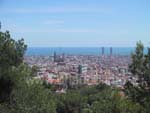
point(55, 57)
point(103, 51)
point(80, 69)
point(111, 51)
point(63, 57)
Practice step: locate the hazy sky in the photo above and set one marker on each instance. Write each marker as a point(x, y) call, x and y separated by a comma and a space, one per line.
point(46, 23)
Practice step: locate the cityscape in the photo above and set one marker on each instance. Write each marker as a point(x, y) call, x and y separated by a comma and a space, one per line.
point(83, 69)
point(74, 56)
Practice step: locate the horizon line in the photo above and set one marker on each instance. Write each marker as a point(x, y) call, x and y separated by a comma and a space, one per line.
point(81, 46)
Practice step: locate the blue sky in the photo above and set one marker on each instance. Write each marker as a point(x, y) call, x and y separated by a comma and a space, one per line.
point(77, 23)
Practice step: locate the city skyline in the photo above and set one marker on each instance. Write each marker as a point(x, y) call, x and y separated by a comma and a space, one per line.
point(80, 23)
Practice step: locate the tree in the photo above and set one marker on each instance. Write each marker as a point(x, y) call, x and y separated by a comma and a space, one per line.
point(11, 55)
point(134, 93)
point(111, 102)
point(71, 102)
point(140, 68)
point(31, 98)
point(18, 92)
point(12, 52)
point(34, 70)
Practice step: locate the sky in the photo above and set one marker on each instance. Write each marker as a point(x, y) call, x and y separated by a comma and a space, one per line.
point(77, 23)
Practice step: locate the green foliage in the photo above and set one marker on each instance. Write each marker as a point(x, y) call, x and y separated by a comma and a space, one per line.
point(31, 98)
point(4, 108)
point(133, 92)
point(11, 55)
point(71, 102)
point(112, 102)
point(102, 86)
point(5, 89)
point(34, 70)
point(140, 67)
point(96, 99)
point(18, 92)
point(11, 51)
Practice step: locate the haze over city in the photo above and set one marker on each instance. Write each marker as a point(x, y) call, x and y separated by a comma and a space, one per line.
point(79, 23)
point(74, 56)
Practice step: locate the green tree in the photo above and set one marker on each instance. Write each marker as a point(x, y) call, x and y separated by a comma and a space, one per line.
point(34, 70)
point(112, 102)
point(19, 93)
point(11, 55)
point(140, 68)
point(11, 51)
point(71, 102)
point(32, 98)
point(133, 92)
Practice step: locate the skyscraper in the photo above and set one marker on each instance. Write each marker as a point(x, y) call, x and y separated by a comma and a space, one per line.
point(55, 57)
point(111, 51)
point(63, 57)
point(103, 51)
point(80, 69)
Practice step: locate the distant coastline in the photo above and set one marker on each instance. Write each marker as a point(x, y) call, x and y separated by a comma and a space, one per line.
point(80, 50)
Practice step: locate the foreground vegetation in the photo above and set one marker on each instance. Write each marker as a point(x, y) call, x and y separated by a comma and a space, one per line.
point(19, 95)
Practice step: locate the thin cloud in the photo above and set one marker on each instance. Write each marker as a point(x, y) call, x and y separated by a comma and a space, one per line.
point(54, 22)
point(66, 30)
point(57, 10)
point(55, 30)
point(77, 30)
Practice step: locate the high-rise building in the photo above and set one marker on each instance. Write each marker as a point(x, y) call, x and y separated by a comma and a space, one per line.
point(55, 57)
point(82, 69)
point(59, 58)
point(111, 51)
point(63, 57)
point(103, 51)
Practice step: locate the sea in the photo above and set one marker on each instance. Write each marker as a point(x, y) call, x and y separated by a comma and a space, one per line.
point(45, 51)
